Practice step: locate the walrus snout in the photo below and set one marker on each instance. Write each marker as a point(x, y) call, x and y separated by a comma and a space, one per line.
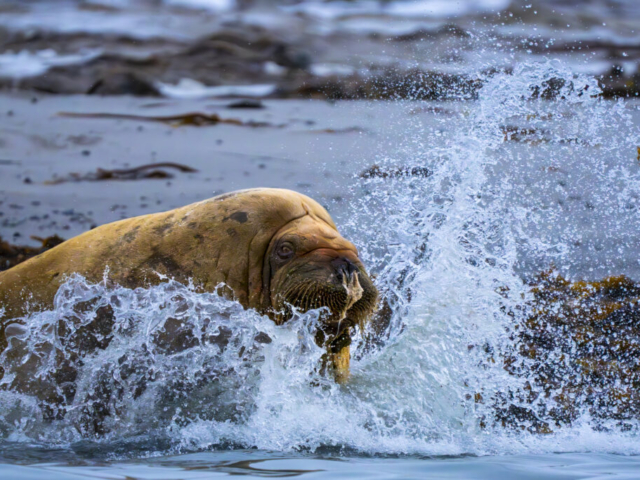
point(327, 277)
point(344, 266)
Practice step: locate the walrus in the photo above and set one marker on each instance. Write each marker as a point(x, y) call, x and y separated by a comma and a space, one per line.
point(272, 249)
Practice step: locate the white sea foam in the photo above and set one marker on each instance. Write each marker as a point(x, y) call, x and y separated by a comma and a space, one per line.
point(331, 69)
point(214, 5)
point(407, 8)
point(132, 22)
point(30, 64)
point(188, 88)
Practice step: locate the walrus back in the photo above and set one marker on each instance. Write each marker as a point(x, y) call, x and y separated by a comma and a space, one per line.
point(34, 283)
point(130, 251)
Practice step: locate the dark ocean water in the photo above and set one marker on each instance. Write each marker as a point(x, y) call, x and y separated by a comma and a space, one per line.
point(259, 464)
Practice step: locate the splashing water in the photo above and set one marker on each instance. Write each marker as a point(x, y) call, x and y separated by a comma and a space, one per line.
point(450, 248)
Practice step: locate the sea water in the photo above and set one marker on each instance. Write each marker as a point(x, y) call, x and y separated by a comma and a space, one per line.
point(538, 170)
point(444, 246)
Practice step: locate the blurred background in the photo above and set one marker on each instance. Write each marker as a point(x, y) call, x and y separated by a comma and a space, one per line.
point(311, 48)
point(96, 93)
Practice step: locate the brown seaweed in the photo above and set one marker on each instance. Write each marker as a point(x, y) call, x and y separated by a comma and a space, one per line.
point(12, 255)
point(376, 171)
point(150, 171)
point(578, 347)
point(184, 119)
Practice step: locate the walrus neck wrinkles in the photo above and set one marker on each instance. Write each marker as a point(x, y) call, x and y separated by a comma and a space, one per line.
point(266, 266)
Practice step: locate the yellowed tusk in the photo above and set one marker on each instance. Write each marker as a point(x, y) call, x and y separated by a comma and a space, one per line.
point(340, 364)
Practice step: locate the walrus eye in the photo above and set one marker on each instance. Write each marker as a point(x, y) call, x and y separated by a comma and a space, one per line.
point(285, 251)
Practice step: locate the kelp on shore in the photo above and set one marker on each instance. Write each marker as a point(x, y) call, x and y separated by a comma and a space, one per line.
point(578, 349)
point(11, 255)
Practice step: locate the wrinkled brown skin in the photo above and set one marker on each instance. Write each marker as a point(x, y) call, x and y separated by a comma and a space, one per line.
point(235, 239)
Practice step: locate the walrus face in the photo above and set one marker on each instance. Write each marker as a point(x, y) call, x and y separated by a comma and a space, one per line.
point(311, 266)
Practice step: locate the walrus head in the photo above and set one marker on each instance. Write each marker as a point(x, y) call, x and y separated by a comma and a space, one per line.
point(309, 265)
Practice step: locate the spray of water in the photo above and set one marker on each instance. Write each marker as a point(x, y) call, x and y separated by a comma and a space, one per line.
point(467, 209)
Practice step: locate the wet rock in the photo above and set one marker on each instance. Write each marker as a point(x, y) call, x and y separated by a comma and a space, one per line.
point(247, 104)
point(376, 171)
point(579, 350)
point(449, 30)
point(290, 57)
point(389, 84)
point(618, 84)
point(229, 57)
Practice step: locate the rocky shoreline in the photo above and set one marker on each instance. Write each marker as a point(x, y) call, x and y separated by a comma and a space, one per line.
point(232, 59)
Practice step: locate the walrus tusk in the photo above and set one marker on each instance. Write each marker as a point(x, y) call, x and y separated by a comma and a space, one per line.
point(339, 360)
point(340, 363)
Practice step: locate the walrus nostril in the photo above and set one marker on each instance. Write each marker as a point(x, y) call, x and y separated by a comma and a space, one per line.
point(351, 268)
point(344, 266)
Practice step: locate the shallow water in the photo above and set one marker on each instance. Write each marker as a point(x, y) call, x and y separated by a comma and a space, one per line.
point(261, 464)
